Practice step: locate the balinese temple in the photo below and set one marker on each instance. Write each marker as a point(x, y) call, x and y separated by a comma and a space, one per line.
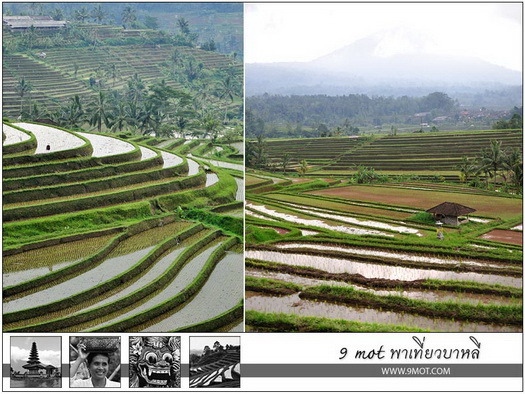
point(34, 367)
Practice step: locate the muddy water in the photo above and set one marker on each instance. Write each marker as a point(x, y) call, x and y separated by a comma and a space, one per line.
point(424, 295)
point(28, 265)
point(376, 270)
point(222, 291)
point(239, 195)
point(294, 305)
point(56, 139)
point(147, 153)
point(14, 136)
point(170, 159)
point(211, 179)
point(106, 146)
point(154, 272)
point(313, 222)
point(183, 279)
point(193, 167)
point(347, 219)
point(391, 255)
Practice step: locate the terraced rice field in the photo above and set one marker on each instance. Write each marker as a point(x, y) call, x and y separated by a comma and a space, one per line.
point(426, 155)
point(55, 79)
point(94, 240)
point(358, 258)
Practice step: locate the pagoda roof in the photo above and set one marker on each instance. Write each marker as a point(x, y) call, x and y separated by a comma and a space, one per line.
point(451, 209)
point(34, 366)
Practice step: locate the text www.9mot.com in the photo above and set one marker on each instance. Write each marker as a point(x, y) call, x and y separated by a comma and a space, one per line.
point(420, 371)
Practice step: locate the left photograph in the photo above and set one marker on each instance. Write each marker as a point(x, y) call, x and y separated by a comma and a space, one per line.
point(123, 167)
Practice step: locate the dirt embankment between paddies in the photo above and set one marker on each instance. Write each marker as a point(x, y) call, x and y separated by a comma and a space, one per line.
point(505, 236)
point(490, 206)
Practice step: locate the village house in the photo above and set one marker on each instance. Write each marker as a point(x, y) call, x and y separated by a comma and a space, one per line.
point(451, 213)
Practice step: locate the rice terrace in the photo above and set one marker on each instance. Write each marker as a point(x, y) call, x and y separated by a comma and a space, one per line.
point(341, 233)
point(122, 175)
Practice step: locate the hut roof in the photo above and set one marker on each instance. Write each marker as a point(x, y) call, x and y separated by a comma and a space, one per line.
point(451, 209)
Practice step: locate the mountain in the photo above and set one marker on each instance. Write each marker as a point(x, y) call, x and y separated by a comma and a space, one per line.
point(386, 63)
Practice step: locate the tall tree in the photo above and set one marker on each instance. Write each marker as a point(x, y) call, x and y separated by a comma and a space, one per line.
point(81, 14)
point(285, 162)
point(23, 87)
point(491, 159)
point(98, 111)
point(98, 14)
point(128, 16)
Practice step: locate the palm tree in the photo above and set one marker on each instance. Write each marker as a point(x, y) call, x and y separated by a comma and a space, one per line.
point(491, 159)
point(184, 26)
point(303, 166)
point(22, 88)
point(285, 161)
point(97, 14)
point(467, 168)
point(513, 166)
point(128, 16)
point(97, 110)
point(81, 14)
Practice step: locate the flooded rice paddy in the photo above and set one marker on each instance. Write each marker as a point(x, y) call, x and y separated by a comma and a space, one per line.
point(225, 164)
point(154, 272)
point(14, 136)
point(519, 227)
point(29, 265)
point(239, 194)
point(170, 159)
point(313, 222)
point(185, 276)
point(56, 139)
point(294, 305)
point(308, 232)
point(211, 179)
point(239, 146)
point(147, 153)
point(347, 219)
point(193, 167)
point(391, 255)
point(424, 295)
point(370, 270)
point(106, 146)
point(222, 291)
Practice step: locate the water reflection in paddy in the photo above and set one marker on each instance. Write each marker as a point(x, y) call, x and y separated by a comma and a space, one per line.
point(183, 279)
point(425, 295)
point(56, 139)
point(288, 217)
point(211, 179)
point(371, 270)
point(147, 153)
point(170, 159)
point(28, 265)
point(294, 305)
point(14, 136)
point(390, 255)
point(106, 146)
point(239, 195)
point(222, 291)
point(193, 167)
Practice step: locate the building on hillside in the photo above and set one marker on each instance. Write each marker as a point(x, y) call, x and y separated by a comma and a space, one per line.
point(451, 213)
point(40, 22)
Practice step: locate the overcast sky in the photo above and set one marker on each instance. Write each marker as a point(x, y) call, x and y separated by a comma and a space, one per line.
point(48, 351)
point(277, 32)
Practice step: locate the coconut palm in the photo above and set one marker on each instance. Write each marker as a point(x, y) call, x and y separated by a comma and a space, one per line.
point(184, 26)
point(467, 168)
point(491, 159)
point(285, 161)
point(98, 111)
point(303, 166)
point(22, 88)
point(513, 166)
point(128, 16)
point(97, 14)
point(82, 14)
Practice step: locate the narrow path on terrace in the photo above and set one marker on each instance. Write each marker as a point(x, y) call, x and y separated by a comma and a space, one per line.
point(296, 306)
point(56, 139)
point(14, 136)
point(185, 276)
point(222, 291)
point(106, 146)
point(370, 270)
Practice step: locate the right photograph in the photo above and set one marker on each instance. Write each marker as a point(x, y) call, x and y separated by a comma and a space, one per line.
point(384, 167)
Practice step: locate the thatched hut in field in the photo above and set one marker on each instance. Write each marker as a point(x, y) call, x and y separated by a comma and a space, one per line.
point(451, 213)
